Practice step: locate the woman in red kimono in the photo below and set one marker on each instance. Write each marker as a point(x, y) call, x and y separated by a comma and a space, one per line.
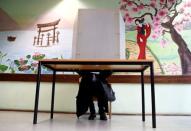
point(143, 32)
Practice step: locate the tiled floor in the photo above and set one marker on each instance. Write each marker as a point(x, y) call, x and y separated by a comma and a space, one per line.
point(22, 121)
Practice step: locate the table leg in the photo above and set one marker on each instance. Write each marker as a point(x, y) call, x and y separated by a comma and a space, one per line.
point(143, 95)
point(153, 96)
point(37, 94)
point(53, 92)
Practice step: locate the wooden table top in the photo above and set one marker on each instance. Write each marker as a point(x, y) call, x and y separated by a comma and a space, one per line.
point(95, 64)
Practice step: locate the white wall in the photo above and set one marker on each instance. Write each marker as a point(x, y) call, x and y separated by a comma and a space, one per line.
point(170, 99)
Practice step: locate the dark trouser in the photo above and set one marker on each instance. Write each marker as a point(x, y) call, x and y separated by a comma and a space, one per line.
point(92, 108)
point(102, 103)
point(96, 90)
point(100, 106)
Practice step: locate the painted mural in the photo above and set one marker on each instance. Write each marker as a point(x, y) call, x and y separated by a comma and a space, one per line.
point(40, 29)
point(169, 40)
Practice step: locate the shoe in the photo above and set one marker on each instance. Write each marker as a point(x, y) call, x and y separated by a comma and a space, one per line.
point(103, 117)
point(92, 117)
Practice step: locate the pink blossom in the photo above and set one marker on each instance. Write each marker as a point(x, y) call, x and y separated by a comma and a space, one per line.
point(163, 42)
point(156, 24)
point(129, 20)
point(172, 68)
point(162, 13)
point(162, 1)
point(135, 9)
point(127, 15)
point(185, 19)
point(129, 3)
point(187, 4)
point(185, 14)
point(141, 7)
point(21, 61)
point(171, 1)
point(181, 10)
point(156, 19)
point(157, 31)
point(153, 4)
point(154, 36)
point(36, 54)
point(189, 15)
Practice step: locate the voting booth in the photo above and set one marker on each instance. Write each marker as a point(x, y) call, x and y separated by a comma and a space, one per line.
point(99, 34)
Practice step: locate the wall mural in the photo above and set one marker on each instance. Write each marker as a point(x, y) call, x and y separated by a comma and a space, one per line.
point(40, 29)
point(169, 40)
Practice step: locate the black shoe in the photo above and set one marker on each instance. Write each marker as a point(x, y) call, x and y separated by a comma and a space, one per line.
point(103, 117)
point(92, 117)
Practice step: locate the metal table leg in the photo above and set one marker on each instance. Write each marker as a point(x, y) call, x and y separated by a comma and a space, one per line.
point(143, 95)
point(153, 96)
point(37, 94)
point(53, 92)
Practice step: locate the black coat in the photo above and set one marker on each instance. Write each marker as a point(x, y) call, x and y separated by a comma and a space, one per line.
point(88, 87)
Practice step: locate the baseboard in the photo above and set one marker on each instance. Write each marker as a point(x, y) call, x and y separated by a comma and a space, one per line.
point(67, 112)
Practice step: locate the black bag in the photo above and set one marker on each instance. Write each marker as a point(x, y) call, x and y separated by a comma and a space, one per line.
point(109, 93)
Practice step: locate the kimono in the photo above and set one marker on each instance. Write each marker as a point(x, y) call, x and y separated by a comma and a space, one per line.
point(142, 34)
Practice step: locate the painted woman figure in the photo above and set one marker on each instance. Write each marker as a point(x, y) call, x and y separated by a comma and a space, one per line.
point(143, 32)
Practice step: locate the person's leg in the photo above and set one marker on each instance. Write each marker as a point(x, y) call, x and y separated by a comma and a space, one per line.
point(92, 111)
point(102, 100)
point(102, 105)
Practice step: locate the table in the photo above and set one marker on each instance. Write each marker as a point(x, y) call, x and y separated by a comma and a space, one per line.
point(96, 65)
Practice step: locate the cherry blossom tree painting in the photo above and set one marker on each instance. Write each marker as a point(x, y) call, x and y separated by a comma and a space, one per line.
point(165, 17)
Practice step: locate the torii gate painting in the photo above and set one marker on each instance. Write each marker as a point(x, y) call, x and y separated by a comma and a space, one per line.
point(50, 30)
